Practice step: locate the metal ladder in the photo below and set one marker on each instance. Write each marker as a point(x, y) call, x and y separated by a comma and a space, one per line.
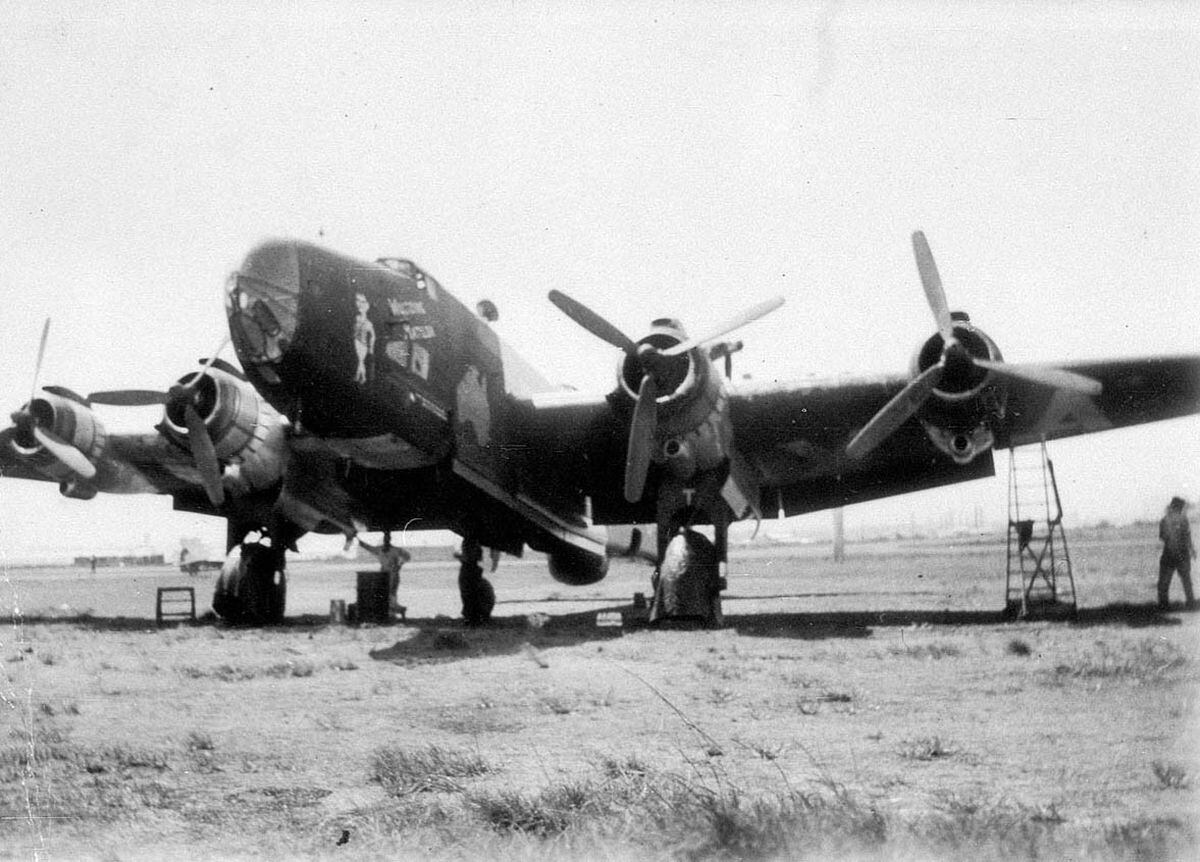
point(1039, 579)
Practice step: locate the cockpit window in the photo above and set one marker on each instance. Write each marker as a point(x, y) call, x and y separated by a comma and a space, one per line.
point(400, 265)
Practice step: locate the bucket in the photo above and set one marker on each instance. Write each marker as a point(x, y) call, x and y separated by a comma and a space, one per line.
point(373, 597)
point(337, 612)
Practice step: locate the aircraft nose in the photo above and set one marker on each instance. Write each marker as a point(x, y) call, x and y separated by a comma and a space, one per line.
point(262, 303)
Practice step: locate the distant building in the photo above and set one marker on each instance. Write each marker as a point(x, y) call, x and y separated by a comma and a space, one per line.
point(126, 560)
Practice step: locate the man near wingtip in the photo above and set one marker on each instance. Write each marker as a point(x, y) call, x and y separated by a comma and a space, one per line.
point(1177, 555)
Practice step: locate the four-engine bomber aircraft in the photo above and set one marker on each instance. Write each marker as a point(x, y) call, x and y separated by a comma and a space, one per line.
point(372, 399)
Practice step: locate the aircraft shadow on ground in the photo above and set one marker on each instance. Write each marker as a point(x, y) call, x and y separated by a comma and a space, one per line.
point(442, 639)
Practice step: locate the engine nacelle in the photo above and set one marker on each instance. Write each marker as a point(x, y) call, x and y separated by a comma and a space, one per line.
point(574, 566)
point(246, 432)
point(71, 422)
point(962, 412)
point(693, 432)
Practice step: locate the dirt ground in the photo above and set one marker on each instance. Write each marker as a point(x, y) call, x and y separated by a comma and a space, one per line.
point(877, 708)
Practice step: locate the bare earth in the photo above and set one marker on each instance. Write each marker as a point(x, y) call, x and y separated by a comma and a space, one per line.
point(876, 709)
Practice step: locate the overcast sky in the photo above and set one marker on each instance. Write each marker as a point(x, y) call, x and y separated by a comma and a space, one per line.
point(650, 159)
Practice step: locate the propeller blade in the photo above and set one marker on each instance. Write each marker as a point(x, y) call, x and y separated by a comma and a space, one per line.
point(736, 322)
point(641, 439)
point(128, 397)
point(37, 368)
point(66, 393)
point(66, 454)
point(213, 358)
point(205, 455)
point(932, 282)
point(1055, 378)
point(592, 322)
point(208, 364)
point(895, 413)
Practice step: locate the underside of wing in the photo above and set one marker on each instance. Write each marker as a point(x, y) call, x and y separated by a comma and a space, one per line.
point(1134, 391)
point(796, 435)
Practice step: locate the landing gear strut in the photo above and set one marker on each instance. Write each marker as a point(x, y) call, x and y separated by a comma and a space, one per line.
point(478, 596)
point(252, 587)
point(687, 583)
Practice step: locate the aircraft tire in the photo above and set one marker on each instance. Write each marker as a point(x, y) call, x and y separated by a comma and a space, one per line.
point(687, 587)
point(479, 600)
point(248, 594)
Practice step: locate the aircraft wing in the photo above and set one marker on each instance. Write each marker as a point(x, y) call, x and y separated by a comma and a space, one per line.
point(131, 464)
point(794, 435)
point(1135, 391)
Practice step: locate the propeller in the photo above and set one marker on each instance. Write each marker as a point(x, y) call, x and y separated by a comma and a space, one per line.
point(128, 397)
point(651, 358)
point(28, 427)
point(181, 398)
point(909, 400)
point(641, 439)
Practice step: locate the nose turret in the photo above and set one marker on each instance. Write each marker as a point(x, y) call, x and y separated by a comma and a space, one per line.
point(262, 303)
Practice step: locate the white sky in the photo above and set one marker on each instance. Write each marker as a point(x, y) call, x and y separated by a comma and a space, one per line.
point(650, 159)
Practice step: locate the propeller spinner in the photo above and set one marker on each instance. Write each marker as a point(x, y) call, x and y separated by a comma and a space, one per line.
point(953, 358)
point(656, 368)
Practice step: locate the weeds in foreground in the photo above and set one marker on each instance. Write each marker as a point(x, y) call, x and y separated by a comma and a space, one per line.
point(619, 808)
point(402, 771)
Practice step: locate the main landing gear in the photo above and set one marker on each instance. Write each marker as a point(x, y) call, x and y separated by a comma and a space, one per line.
point(252, 587)
point(478, 595)
point(687, 583)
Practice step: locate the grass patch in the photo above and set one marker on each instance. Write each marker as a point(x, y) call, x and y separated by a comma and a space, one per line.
point(926, 748)
point(547, 813)
point(926, 651)
point(235, 673)
point(402, 771)
point(1018, 647)
point(1170, 776)
point(199, 741)
point(1146, 659)
point(628, 767)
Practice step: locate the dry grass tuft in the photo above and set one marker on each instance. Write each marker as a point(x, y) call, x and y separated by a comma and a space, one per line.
point(927, 651)
point(198, 740)
point(925, 748)
point(402, 771)
point(1018, 647)
point(1170, 776)
point(1144, 660)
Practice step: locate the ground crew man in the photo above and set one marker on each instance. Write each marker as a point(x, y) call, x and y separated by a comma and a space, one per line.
point(1177, 555)
point(390, 561)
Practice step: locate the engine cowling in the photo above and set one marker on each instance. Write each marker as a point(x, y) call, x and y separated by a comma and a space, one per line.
point(693, 432)
point(246, 432)
point(74, 424)
point(962, 411)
